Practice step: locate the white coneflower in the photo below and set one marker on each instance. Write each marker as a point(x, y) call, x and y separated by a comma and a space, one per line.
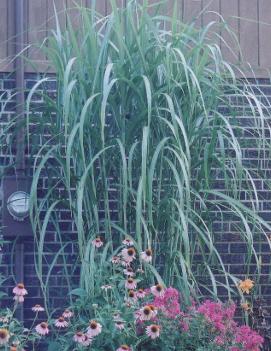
point(4, 336)
point(42, 328)
point(124, 348)
point(158, 290)
point(94, 328)
point(119, 325)
point(129, 272)
point(128, 242)
point(97, 242)
point(146, 255)
point(153, 331)
point(67, 314)
point(61, 323)
point(145, 313)
point(20, 290)
point(37, 308)
point(106, 287)
point(140, 293)
point(128, 254)
point(115, 260)
point(130, 284)
point(79, 337)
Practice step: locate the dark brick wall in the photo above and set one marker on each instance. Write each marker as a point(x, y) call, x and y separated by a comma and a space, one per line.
point(57, 281)
point(230, 246)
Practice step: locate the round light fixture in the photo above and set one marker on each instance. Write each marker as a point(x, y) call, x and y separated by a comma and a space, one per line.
point(18, 205)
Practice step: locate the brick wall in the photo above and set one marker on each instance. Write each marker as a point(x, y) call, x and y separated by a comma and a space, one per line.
point(52, 246)
point(230, 246)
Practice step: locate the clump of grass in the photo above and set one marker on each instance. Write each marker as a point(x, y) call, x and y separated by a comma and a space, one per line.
point(139, 145)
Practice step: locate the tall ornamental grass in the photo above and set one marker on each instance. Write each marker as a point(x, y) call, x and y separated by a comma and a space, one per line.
point(143, 140)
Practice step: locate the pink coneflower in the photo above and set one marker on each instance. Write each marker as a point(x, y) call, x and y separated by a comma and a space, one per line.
point(18, 298)
point(79, 337)
point(87, 340)
point(154, 309)
point(146, 255)
point(37, 308)
point(129, 272)
point(128, 254)
point(124, 348)
point(131, 296)
point(97, 242)
point(4, 336)
point(137, 315)
point(106, 287)
point(140, 270)
point(128, 242)
point(119, 325)
point(125, 264)
point(115, 260)
point(116, 316)
point(146, 313)
point(4, 319)
point(20, 290)
point(153, 331)
point(67, 314)
point(61, 323)
point(42, 328)
point(140, 293)
point(94, 328)
point(158, 290)
point(130, 284)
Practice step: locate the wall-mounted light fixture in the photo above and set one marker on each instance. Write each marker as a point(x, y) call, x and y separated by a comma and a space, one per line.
point(18, 205)
point(15, 206)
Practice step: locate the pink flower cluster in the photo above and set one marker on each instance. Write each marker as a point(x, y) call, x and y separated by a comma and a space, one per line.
point(248, 338)
point(219, 315)
point(168, 303)
point(221, 318)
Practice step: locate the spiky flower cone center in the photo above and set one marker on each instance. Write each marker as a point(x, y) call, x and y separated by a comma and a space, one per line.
point(154, 328)
point(131, 252)
point(147, 310)
point(93, 325)
point(131, 293)
point(158, 287)
point(3, 333)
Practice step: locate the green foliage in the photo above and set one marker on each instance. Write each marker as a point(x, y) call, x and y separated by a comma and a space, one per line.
point(137, 143)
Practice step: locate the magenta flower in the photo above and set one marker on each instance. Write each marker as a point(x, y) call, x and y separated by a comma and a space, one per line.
point(248, 338)
point(168, 303)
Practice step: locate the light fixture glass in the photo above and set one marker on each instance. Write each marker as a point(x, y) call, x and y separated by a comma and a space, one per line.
point(18, 205)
